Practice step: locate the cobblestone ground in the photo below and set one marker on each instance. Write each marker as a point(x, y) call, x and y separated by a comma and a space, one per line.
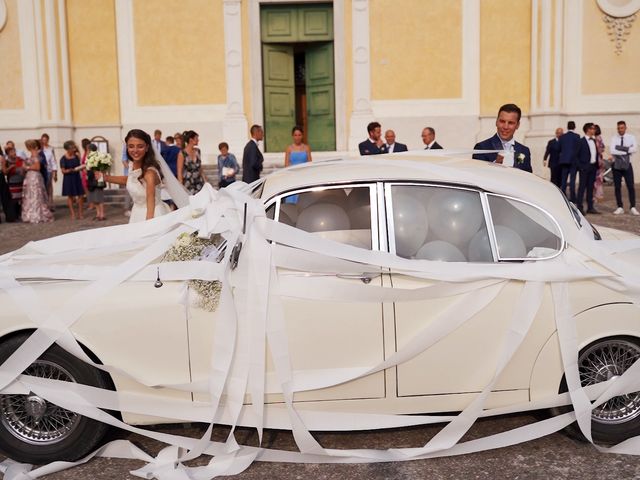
point(555, 456)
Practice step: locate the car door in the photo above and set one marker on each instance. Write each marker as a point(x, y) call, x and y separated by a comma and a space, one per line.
point(322, 334)
point(459, 224)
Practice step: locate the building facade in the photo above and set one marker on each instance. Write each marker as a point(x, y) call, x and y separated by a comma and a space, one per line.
point(82, 68)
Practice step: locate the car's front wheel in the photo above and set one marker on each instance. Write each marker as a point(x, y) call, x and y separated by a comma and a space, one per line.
point(34, 430)
point(618, 418)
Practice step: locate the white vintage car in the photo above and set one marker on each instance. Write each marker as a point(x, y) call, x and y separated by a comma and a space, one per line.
point(447, 214)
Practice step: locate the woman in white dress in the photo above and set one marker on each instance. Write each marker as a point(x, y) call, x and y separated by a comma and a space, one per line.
point(144, 180)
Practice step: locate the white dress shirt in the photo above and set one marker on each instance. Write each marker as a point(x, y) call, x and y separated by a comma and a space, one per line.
point(628, 141)
point(592, 149)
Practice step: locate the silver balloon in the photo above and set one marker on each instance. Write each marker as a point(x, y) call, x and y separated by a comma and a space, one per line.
point(455, 216)
point(322, 217)
point(533, 226)
point(442, 251)
point(410, 224)
point(510, 244)
point(360, 217)
point(480, 248)
point(336, 196)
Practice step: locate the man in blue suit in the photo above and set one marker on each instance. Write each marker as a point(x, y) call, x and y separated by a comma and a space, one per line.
point(569, 144)
point(588, 166)
point(552, 158)
point(374, 144)
point(507, 123)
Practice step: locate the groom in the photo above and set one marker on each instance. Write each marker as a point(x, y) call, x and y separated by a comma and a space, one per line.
point(507, 123)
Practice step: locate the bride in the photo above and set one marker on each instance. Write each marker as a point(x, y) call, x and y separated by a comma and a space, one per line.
point(144, 180)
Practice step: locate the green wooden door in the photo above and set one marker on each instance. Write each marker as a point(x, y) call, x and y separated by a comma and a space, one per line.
point(321, 119)
point(279, 96)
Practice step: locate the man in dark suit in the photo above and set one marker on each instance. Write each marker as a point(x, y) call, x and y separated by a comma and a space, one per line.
point(569, 143)
point(429, 139)
point(170, 155)
point(588, 166)
point(374, 144)
point(392, 145)
point(252, 156)
point(515, 154)
point(552, 158)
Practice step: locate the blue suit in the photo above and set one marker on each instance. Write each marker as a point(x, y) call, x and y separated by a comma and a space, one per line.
point(569, 145)
point(588, 172)
point(369, 148)
point(494, 143)
point(553, 154)
point(170, 155)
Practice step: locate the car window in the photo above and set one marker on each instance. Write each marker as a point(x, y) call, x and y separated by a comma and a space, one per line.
point(522, 230)
point(438, 223)
point(341, 214)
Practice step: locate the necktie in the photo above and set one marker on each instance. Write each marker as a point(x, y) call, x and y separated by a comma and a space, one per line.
point(622, 141)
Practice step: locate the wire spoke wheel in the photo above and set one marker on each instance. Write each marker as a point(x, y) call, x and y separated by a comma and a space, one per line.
point(31, 418)
point(605, 360)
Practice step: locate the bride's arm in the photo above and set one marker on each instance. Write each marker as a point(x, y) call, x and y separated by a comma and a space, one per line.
point(151, 180)
point(117, 179)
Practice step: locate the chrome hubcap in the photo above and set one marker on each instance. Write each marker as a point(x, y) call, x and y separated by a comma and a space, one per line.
point(604, 361)
point(31, 418)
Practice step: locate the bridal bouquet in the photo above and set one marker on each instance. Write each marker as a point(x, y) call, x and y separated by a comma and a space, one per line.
point(101, 162)
point(191, 247)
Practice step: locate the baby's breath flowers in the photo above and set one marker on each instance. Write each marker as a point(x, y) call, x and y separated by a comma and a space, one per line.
point(191, 247)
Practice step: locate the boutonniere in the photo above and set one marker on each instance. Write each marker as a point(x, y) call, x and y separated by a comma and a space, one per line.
point(520, 158)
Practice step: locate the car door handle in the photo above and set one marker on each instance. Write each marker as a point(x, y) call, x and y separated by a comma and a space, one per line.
point(364, 277)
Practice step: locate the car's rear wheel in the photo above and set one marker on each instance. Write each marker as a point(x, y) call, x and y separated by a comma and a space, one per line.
point(34, 430)
point(618, 418)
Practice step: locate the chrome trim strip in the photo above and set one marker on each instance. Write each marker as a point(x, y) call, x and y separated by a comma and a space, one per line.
point(488, 220)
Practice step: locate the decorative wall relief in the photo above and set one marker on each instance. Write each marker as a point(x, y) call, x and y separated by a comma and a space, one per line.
point(3, 14)
point(619, 16)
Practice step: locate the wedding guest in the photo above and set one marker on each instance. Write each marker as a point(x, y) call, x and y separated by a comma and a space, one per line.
point(177, 137)
point(507, 123)
point(43, 167)
point(227, 166)
point(588, 166)
point(125, 168)
point(19, 153)
point(5, 194)
point(598, 189)
point(374, 144)
point(144, 180)
point(72, 188)
point(622, 146)
point(157, 142)
point(52, 167)
point(552, 158)
point(96, 184)
point(34, 196)
point(169, 140)
point(297, 152)
point(429, 139)
point(391, 144)
point(569, 143)
point(85, 142)
point(189, 169)
point(170, 154)
point(15, 179)
point(252, 158)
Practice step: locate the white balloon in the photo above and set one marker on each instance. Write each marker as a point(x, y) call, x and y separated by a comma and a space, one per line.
point(358, 197)
point(290, 210)
point(439, 250)
point(410, 224)
point(360, 217)
point(526, 220)
point(480, 248)
point(510, 244)
point(455, 216)
point(322, 217)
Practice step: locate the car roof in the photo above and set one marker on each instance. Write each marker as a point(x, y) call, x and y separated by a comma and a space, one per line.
point(418, 167)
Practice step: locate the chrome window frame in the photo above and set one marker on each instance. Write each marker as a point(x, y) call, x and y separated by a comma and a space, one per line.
point(373, 200)
point(563, 242)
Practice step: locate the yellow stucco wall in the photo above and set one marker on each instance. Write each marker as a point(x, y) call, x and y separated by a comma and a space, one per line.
point(12, 97)
point(600, 64)
point(505, 54)
point(93, 62)
point(179, 52)
point(416, 50)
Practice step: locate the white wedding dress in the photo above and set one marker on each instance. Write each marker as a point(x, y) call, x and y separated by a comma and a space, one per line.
point(138, 191)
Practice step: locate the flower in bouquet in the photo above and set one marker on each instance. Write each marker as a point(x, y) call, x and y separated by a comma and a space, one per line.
point(191, 247)
point(99, 161)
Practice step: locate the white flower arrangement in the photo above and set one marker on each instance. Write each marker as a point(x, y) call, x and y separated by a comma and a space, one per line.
point(191, 247)
point(99, 161)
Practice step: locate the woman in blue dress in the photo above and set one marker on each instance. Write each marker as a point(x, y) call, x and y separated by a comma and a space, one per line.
point(72, 182)
point(295, 154)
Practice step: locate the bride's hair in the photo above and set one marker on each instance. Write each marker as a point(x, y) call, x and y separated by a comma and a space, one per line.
point(149, 159)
